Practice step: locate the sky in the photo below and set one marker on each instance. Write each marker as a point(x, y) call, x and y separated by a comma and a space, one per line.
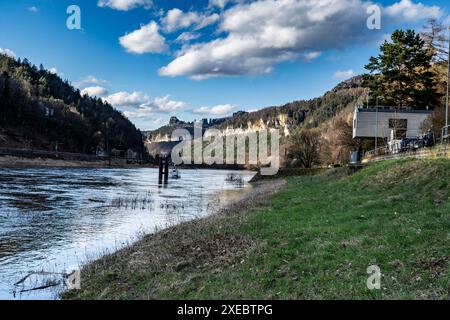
point(153, 59)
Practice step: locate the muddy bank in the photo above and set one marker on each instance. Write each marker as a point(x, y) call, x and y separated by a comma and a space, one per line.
point(196, 245)
point(288, 172)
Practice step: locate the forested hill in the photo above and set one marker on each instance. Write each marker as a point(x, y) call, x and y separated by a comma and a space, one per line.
point(40, 110)
point(307, 113)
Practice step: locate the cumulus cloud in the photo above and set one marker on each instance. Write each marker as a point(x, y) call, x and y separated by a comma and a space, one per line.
point(218, 110)
point(140, 113)
point(7, 52)
point(343, 74)
point(95, 91)
point(90, 81)
point(165, 104)
point(125, 5)
point(146, 39)
point(33, 9)
point(142, 105)
point(260, 34)
point(125, 99)
point(406, 10)
point(220, 3)
point(176, 19)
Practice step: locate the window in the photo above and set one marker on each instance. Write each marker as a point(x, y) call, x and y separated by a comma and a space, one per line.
point(398, 124)
point(399, 128)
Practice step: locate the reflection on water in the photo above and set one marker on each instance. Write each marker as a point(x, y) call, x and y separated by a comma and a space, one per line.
point(54, 219)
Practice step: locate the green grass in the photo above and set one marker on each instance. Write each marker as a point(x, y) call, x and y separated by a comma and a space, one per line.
point(315, 240)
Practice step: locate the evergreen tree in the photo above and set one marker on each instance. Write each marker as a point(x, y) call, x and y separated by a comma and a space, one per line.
point(401, 73)
point(37, 103)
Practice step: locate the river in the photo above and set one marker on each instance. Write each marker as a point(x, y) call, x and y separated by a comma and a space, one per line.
point(55, 220)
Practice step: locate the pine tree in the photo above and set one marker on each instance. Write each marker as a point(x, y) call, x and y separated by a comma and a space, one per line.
point(401, 73)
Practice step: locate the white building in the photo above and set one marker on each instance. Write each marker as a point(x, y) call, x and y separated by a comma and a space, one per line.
point(385, 122)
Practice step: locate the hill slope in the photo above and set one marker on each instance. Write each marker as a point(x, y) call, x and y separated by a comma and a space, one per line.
point(309, 113)
point(39, 110)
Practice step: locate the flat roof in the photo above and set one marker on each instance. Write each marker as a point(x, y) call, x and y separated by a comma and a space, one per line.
point(392, 110)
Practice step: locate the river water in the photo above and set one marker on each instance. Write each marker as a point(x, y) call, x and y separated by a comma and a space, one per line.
point(55, 220)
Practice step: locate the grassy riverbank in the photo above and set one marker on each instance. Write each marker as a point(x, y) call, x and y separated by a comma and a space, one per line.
point(314, 239)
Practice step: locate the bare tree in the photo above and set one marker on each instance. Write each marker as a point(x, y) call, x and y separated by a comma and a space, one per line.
point(341, 138)
point(436, 39)
point(305, 147)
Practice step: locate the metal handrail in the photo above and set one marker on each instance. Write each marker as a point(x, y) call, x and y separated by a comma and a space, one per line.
point(377, 152)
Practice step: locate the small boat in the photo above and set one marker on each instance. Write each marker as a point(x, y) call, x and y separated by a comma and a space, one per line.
point(235, 178)
point(175, 174)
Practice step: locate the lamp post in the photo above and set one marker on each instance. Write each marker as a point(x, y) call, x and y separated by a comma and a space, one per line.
point(376, 123)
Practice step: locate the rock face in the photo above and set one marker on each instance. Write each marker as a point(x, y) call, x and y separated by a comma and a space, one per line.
point(286, 118)
point(174, 121)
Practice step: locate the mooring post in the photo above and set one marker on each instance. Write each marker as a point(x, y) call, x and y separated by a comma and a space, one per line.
point(160, 173)
point(166, 170)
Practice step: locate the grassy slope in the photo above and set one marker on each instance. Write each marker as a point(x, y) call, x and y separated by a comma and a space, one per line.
point(315, 239)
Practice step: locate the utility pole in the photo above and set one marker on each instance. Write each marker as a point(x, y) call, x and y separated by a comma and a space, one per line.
point(448, 87)
point(376, 123)
point(367, 98)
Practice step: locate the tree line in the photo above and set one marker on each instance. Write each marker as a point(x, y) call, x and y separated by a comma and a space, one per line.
point(37, 106)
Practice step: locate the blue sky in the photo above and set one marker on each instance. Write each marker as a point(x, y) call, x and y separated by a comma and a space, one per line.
point(205, 58)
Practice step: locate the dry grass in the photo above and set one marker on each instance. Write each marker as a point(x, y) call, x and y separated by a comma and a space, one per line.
point(314, 239)
point(203, 243)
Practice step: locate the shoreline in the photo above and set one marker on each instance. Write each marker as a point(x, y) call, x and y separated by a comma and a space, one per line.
point(306, 237)
point(160, 251)
point(23, 163)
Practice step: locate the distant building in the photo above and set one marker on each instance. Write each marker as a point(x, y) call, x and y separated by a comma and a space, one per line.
point(392, 123)
point(100, 152)
point(131, 155)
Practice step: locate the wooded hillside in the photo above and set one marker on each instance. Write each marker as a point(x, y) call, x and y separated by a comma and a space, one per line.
point(40, 110)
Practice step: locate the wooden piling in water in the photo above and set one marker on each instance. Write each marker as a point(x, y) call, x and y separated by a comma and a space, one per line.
point(166, 170)
point(163, 170)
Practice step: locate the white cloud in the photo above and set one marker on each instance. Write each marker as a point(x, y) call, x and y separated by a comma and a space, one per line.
point(343, 74)
point(140, 113)
point(7, 52)
point(207, 21)
point(406, 10)
point(176, 19)
point(257, 35)
point(218, 110)
point(147, 39)
point(310, 56)
point(125, 5)
point(95, 91)
point(187, 36)
point(53, 70)
point(33, 9)
point(90, 80)
point(219, 3)
point(142, 105)
point(165, 104)
point(127, 99)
